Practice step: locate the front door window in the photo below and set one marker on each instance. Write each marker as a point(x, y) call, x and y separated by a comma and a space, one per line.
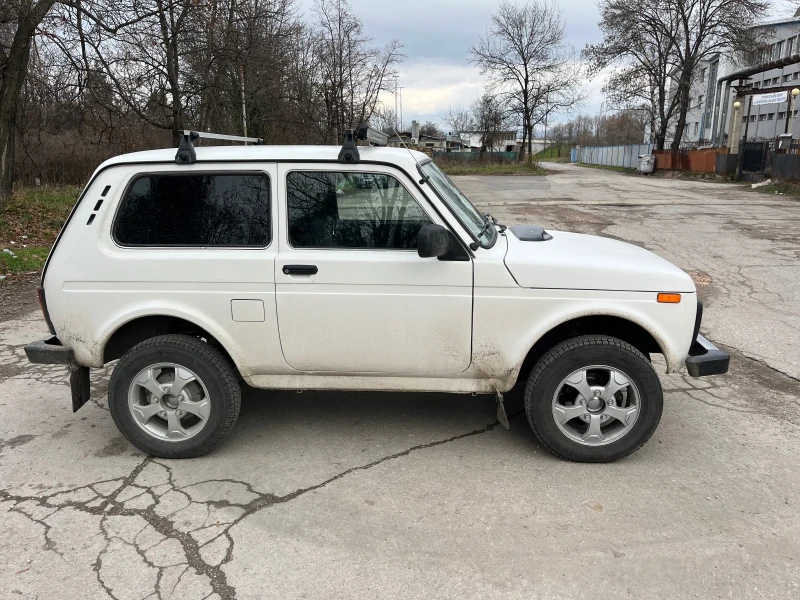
point(351, 210)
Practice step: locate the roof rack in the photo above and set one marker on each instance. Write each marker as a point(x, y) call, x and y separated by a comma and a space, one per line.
point(186, 154)
point(349, 152)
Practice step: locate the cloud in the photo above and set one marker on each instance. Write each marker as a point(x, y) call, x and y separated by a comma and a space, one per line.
point(431, 86)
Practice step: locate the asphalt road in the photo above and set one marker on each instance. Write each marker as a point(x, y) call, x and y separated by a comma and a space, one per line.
point(342, 495)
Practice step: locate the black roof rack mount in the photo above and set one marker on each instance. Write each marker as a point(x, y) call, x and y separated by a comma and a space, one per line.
point(186, 154)
point(349, 152)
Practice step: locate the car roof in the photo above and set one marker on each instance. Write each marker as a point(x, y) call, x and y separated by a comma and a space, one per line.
point(401, 157)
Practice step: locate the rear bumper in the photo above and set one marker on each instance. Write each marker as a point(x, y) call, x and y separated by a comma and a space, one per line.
point(49, 352)
point(706, 359)
point(52, 352)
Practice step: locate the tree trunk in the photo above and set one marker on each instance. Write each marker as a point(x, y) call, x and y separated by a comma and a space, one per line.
point(530, 144)
point(8, 117)
point(14, 69)
point(684, 89)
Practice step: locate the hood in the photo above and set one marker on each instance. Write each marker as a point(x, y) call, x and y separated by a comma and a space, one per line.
point(588, 262)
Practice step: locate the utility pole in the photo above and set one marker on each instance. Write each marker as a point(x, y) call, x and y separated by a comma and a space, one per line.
point(744, 139)
point(401, 105)
point(396, 112)
point(244, 102)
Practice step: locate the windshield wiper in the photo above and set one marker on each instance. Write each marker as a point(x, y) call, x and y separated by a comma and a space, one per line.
point(488, 221)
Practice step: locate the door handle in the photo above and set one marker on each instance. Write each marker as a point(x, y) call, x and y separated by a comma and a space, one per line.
point(300, 269)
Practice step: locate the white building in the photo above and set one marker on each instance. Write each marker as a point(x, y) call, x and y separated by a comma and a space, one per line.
point(711, 103)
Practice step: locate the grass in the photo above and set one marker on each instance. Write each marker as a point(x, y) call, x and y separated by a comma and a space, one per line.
point(29, 224)
point(783, 188)
point(496, 169)
point(551, 154)
point(25, 260)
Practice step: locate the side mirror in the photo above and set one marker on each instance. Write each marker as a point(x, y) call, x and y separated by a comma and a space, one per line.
point(433, 241)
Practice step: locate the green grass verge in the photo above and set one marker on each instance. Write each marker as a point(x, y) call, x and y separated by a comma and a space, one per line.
point(31, 219)
point(551, 154)
point(779, 188)
point(608, 168)
point(25, 260)
point(502, 169)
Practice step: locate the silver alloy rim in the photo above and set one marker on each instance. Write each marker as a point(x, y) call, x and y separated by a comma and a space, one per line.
point(169, 402)
point(596, 405)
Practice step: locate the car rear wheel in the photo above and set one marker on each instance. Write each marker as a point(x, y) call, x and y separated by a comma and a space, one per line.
point(593, 399)
point(174, 396)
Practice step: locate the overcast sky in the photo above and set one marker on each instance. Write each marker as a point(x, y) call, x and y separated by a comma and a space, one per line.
point(437, 35)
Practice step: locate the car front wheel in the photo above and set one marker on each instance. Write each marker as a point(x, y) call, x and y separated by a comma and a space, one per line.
point(593, 399)
point(174, 396)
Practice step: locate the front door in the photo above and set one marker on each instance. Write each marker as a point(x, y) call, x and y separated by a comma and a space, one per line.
point(352, 293)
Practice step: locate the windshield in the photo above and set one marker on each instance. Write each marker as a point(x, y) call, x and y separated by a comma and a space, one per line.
point(460, 205)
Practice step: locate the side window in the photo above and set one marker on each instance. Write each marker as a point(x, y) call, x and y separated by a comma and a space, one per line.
point(351, 210)
point(195, 209)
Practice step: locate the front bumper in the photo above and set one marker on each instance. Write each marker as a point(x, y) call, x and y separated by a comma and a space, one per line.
point(706, 359)
point(51, 351)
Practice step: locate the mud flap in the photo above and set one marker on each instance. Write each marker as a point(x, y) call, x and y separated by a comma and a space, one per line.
point(79, 385)
point(502, 417)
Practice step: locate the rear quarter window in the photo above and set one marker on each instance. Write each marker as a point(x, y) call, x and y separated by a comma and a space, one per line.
point(195, 209)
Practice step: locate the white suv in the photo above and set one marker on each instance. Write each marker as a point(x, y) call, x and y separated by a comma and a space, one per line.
point(360, 268)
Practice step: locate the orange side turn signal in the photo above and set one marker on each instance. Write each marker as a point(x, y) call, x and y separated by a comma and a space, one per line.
point(669, 298)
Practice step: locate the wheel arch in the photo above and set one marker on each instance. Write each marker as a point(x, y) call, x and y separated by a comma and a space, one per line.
point(622, 328)
point(137, 329)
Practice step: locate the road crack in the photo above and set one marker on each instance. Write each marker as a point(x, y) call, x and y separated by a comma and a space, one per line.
point(168, 515)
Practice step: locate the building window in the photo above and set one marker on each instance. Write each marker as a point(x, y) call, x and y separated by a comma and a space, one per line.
point(700, 100)
point(787, 77)
point(796, 75)
point(703, 74)
point(762, 117)
point(771, 116)
point(756, 85)
point(782, 115)
point(744, 119)
point(351, 210)
point(195, 209)
point(775, 81)
point(779, 50)
point(753, 118)
point(696, 128)
point(790, 45)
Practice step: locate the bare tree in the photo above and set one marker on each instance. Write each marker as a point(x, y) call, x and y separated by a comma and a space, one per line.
point(710, 26)
point(491, 121)
point(458, 119)
point(106, 77)
point(639, 39)
point(353, 72)
point(525, 55)
point(655, 47)
point(18, 22)
point(431, 129)
point(384, 119)
point(559, 137)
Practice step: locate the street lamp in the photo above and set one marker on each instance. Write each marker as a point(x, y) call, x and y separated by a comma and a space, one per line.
point(790, 116)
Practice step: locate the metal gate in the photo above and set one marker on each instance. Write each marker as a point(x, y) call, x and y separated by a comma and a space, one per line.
point(755, 156)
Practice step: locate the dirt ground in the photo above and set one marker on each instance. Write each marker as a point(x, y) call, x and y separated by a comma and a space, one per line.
point(18, 296)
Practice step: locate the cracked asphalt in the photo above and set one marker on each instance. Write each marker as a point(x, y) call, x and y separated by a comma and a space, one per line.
point(358, 495)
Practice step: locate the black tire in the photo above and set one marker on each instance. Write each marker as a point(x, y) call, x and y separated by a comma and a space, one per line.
point(208, 363)
point(571, 355)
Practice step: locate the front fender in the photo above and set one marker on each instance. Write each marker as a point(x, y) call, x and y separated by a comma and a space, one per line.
point(507, 329)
